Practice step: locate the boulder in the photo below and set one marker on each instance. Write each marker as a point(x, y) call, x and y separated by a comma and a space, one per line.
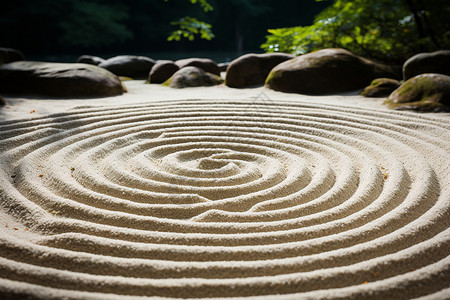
point(327, 71)
point(206, 64)
point(90, 60)
point(434, 62)
point(425, 92)
point(380, 87)
point(192, 77)
point(252, 69)
point(2, 101)
point(8, 55)
point(58, 80)
point(162, 70)
point(136, 67)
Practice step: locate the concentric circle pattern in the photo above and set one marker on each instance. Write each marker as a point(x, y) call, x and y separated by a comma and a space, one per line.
point(214, 199)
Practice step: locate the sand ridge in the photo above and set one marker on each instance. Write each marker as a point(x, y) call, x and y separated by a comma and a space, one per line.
point(225, 198)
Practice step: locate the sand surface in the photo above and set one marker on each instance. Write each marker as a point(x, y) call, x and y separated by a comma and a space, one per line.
point(222, 193)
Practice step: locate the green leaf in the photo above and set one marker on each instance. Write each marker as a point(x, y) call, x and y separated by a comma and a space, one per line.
point(190, 27)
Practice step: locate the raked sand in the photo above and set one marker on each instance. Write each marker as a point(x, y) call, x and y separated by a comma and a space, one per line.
point(222, 193)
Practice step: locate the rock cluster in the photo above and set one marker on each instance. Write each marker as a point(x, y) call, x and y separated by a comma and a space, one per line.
point(326, 71)
point(427, 86)
point(189, 72)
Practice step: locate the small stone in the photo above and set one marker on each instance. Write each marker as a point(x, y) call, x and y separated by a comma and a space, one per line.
point(380, 87)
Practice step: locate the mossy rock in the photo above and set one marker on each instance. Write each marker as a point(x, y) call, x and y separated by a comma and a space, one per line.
point(380, 87)
point(192, 77)
point(425, 92)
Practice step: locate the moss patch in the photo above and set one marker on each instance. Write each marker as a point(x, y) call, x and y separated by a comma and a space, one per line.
point(167, 82)
point(273, 75)
point(420, 106)
point(380, 87)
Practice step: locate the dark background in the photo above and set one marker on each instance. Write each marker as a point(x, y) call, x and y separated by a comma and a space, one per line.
point(62, 30)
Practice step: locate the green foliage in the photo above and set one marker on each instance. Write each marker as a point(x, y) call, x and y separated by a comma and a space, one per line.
point(190, 27)
point(380, 29)
point(297, 40)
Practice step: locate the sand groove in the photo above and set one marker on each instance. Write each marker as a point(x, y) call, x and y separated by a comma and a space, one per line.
point(212, 199)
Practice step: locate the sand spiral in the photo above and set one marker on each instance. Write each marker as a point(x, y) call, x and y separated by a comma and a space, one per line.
point(211, 199)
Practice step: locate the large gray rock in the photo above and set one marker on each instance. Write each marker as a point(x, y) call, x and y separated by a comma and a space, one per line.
point(206, 64)
point(8, 55)
point(433, 62)
point(136, 67)
point(327, 71)
point(192, 77)
point(58, 80)
point(252, 69)
point(425, 92)
point(162, 70)
point(90, 60)
point(380, 87)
